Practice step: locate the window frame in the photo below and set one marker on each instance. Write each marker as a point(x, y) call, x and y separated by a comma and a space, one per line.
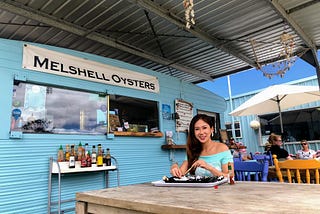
point(237, 129)
point(155, 107)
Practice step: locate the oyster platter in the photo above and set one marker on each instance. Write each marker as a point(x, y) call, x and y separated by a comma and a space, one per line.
point(191, 181)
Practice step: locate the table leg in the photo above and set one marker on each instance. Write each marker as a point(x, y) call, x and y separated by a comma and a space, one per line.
point(81, 207)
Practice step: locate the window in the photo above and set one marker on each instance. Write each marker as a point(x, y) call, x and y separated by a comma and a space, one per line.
point(46, 109)
point(297, 125)
point(134, 114)
point(237, 129)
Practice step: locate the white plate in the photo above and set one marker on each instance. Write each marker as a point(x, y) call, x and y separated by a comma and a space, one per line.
point(161, 183)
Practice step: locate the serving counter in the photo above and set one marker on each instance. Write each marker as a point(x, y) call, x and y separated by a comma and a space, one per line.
point(243, 197)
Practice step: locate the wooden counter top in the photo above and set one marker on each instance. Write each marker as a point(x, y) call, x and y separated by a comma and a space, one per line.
point(139, 134)
point(243, 197)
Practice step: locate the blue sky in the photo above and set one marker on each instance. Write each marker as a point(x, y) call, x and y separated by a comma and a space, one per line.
point(253, 79)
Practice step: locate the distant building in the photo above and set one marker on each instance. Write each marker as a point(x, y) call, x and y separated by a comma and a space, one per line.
point(299, 122)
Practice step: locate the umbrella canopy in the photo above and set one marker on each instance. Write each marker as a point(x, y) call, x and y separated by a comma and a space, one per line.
point(278, 97)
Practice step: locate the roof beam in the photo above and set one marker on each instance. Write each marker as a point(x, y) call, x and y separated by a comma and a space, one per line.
point(30, 13)
point(154, 8)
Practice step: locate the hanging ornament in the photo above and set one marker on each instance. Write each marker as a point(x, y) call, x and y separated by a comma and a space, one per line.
point(189, 13)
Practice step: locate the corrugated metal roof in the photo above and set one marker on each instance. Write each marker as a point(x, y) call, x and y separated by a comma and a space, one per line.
point(152, 34)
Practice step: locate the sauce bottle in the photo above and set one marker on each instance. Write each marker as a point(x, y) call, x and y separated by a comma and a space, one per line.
point(108, 157)
point(83, 158)
point(60, 154)
point(72, 161)
point(79, 152)
point(86, 146)
point(230, 174)
point(94, 155)
point(89, 160)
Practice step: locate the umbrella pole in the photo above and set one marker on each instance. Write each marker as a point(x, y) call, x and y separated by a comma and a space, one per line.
point(281, 123)
point(280, 115)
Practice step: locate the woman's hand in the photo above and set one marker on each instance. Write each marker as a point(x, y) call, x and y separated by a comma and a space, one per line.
point(201, 163)
point(176, 171)
point(205, 165)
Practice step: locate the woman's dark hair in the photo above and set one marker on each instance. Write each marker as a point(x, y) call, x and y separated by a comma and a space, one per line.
point(194, 147)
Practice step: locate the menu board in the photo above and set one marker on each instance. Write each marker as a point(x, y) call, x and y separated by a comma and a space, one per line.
point(184, 110)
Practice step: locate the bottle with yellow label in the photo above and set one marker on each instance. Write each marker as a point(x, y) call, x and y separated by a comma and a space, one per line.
point(67, 153)
point(100, 156)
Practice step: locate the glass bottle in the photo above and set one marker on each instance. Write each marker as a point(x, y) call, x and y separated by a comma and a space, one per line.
point(60, 154)
point(230, 174)
point(94, 155)
point(72, 161)
point(67, 153)
point(86, 146)
point(83, 158)
point(100, 156)
point(108, 157)
point(75, 152)
point(79, 152)
point(89, 159)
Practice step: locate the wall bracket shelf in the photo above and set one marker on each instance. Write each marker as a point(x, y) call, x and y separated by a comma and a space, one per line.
point(173, 146)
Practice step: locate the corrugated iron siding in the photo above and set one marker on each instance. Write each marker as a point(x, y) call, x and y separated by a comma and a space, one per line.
point(25, 162)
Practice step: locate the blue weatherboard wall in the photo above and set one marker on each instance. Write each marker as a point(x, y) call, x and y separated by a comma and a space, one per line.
point(24, 162)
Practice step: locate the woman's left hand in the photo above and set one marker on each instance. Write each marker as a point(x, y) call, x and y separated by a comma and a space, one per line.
point(200, 163)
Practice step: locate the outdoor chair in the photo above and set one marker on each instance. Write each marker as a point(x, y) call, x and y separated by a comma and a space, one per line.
point(300, 171)
point(251, 170)
point(262, 157)
point(236, 159)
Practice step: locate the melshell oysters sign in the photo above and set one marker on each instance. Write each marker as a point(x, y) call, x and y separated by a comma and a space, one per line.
point(48, 61)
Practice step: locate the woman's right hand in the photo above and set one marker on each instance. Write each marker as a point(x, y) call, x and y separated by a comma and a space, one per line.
point(175, 171)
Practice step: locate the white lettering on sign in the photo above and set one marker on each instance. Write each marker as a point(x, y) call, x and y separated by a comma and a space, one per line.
point(48, 61)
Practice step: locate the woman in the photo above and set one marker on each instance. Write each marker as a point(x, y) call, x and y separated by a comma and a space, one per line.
point(275, 149)
point(305, 152)
point(204, 157)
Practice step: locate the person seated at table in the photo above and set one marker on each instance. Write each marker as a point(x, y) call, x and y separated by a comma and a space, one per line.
point(204, 156)
point(305, 152)
point(275, 149)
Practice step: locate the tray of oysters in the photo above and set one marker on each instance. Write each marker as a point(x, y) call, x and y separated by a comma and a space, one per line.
point(191, 181)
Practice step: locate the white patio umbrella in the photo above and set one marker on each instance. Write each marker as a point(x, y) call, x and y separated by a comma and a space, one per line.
point(276, 98)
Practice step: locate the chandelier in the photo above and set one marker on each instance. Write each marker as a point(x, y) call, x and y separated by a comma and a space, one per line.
point(285, 58)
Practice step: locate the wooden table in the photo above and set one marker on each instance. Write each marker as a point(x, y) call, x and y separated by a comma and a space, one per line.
point(243, 197)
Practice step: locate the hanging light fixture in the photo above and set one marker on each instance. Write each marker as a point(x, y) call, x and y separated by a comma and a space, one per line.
point(285, 58)
point(255, 124)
